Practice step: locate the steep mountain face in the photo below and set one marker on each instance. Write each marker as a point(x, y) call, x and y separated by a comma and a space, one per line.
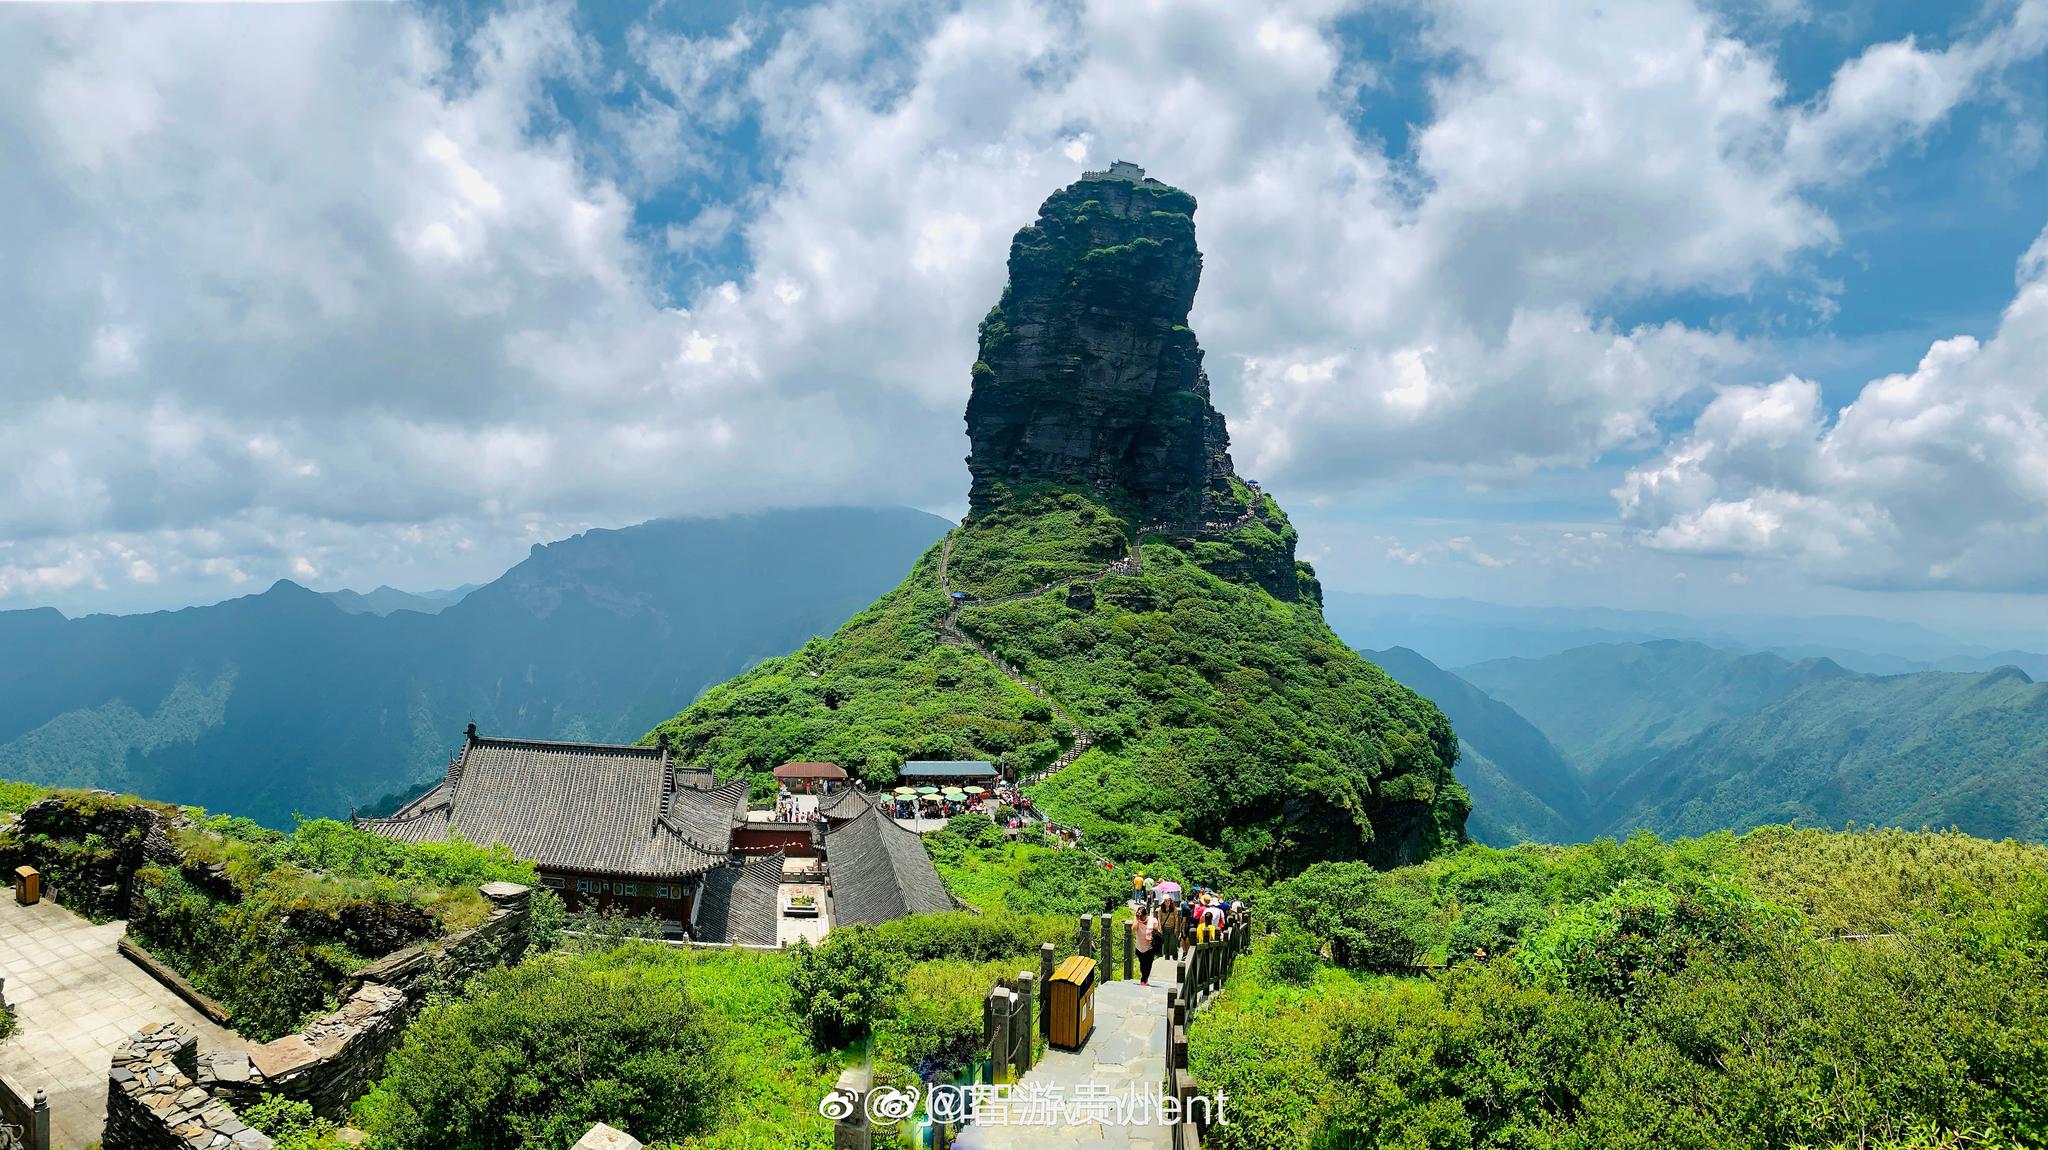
point(1128, 610)
point(284, 702)
point(1612, 706)
point(1925, 750)
point(1522, 788)
point(1088, 374)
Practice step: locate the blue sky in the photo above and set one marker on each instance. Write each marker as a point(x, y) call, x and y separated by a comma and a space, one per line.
point(1670, 304)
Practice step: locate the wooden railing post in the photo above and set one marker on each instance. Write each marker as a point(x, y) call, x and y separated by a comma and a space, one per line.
point(1045, 964)
point(1130, 945)
point(1084, 945)
point(1000, 1004)
point(1108, 955)
point(1020, 1022)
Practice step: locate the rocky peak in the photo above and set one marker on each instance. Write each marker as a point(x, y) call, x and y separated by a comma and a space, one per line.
point(1088, 372)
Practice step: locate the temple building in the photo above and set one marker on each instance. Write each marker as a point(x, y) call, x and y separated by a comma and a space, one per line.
point(615, 827)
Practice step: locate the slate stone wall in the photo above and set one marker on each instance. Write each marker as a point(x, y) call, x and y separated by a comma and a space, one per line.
point(154, 1101)
point(163, 1093)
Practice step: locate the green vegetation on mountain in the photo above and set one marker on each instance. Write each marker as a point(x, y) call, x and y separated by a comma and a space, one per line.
point(1787, 989)
point(1522, 789)
point(1225, 719)
point(1931, 749)
point(1612, 705)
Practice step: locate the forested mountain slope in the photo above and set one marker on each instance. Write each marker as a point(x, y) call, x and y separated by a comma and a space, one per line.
point(1611, 705)
point(1522, 788)
point(1933, 749)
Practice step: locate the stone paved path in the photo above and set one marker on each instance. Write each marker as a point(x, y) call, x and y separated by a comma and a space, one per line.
point(76, 998)
point(1126, 1053)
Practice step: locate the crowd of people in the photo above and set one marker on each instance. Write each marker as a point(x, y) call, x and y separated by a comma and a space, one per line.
point(1164, 915)
point(789, 810)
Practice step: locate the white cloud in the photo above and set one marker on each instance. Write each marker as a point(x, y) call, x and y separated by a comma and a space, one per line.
point(329, 267)
point(1933, 478)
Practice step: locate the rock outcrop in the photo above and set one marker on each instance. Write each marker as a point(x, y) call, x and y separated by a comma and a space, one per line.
point(1088, 373)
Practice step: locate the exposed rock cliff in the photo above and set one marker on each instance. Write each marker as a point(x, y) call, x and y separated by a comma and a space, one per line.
point(1088, 373)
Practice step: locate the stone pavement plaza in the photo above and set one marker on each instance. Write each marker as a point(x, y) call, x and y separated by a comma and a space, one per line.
point(75, 999)
point(1126, 1052)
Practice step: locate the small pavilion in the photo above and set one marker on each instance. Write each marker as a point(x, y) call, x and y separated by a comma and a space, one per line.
point(806, 778)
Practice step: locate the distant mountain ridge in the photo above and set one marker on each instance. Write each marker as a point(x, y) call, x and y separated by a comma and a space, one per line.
point(287, 702)
point(1462, 632)
point(1683, 738)
point(1522, 787)
point(384, 600)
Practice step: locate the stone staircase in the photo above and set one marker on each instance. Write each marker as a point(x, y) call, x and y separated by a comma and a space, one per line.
point(948, 625)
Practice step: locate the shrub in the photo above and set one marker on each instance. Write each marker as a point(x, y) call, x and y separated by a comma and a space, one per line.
point(534, 1055)
point(974, 937)
point(1368, 920)
point(936, 1024)
point(1640, 929)
point(1293, 956)
point(292, 1124)
point(841, 986)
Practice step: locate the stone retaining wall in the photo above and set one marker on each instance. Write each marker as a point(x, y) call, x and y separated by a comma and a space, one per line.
point(328, 1065)
point(155, 1103)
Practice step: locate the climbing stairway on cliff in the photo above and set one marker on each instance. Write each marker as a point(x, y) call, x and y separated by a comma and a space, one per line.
point(948, 625)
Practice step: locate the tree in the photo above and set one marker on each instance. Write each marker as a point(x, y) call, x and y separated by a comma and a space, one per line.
point(534, 1055)
point(843, 985)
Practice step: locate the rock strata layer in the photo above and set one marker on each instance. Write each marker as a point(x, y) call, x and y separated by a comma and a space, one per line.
point(1088, 373)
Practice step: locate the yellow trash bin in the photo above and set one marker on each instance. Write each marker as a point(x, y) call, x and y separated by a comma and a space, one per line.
point(28, 885)
point(1073, 1002)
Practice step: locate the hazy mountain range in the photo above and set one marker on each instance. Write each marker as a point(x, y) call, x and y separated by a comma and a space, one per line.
point(1461, 632)
point(1683, 738)
point(293, 701)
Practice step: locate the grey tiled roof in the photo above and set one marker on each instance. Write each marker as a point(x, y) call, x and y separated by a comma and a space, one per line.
point(842, 804)
point(594, 807)
point(959, 769)
point(741, 903)
point(879, 871)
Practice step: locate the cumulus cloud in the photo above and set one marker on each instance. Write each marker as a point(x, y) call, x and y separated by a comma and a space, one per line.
point(337, 273)
point(1936, 477)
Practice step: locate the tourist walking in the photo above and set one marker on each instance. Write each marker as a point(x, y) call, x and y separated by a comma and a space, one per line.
point(1145, 936)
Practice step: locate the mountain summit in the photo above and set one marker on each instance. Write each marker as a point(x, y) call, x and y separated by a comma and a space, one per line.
point(1088, 373)
point(1120, 620)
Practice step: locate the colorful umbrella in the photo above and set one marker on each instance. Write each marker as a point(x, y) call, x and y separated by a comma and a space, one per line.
point(906, 790)
point(927, 790)
point(1168, 888)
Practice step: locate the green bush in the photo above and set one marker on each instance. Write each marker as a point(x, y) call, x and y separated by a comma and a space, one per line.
point(16, 797)
point(1657, 995)
point(534, 1055)
point(1366, 919)
point(935, 1026)
point(292, 1125)
point(841, 986)
point(971, 937)
point(1611, 945)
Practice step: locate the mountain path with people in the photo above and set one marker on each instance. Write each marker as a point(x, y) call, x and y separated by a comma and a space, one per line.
point(1123, 1059)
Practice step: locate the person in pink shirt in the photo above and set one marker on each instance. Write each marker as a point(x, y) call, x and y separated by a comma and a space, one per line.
point(1145, 936)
